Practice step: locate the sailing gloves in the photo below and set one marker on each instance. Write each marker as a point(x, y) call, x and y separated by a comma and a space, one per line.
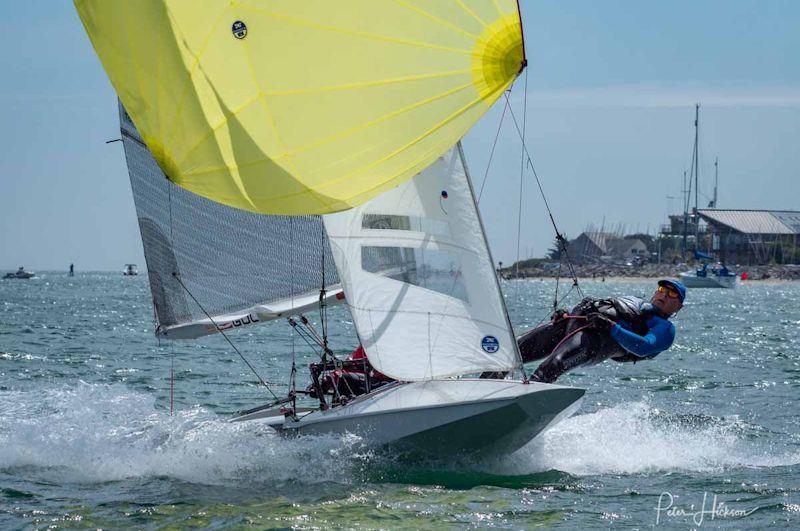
point(600, 321)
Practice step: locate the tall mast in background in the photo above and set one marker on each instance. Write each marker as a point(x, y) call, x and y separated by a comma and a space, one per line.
point(716, 181)
point(685, 191)
point(696, 176)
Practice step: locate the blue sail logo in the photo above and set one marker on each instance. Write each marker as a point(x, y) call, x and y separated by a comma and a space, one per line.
point(490, 344)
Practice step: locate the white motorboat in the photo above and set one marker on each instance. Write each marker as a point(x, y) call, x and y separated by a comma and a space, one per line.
point(20, 273)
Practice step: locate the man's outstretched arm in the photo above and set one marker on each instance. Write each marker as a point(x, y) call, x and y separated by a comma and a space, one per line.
point(658, 339)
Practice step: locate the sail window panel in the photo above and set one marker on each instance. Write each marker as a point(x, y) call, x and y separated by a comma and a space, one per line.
point(438, 271)
point(424, 304)
point(433, 227)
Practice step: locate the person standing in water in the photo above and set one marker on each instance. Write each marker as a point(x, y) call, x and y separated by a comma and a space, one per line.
point(622, 328)
point(72, 270)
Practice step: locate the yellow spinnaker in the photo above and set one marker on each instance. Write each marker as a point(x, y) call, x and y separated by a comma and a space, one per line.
point(303, 106)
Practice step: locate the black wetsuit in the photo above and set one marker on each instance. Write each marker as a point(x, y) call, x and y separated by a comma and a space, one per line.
point(565, 343)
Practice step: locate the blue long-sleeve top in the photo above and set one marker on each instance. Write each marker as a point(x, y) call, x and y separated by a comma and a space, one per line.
point(659, 337)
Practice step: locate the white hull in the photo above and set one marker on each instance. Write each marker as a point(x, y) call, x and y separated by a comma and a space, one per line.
point(442, 417)
point(691, 280)
point(19, 276)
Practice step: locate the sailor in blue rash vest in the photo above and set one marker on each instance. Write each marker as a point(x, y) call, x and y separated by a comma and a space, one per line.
point(622, 328)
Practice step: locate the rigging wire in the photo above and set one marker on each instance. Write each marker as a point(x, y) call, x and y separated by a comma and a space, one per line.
point(305, 335)
point(293, 376)
point(177, 277)
point(171, 344)
point(521, 170)
point(171, 379)
point(559, 236)
point(491, 154)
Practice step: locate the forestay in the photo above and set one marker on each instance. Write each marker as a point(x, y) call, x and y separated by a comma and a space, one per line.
point(243, 268)
point(419, 278)
point(303, 106)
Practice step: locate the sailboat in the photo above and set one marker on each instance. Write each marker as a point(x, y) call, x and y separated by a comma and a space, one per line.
point(270, 180)
point(719, 276)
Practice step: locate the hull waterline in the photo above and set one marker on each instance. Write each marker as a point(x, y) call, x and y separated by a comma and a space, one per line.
point(443, 417)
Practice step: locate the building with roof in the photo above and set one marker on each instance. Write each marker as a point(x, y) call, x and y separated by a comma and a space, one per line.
point(752, 236)
point(593, 245)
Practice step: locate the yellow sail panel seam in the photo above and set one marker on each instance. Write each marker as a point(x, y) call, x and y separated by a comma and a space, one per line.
point(366, 35)
point(498, 8)
point(195, 64)
point(331, 88)
point(216, 127)
point(343, 134)
point(128, 37)
point(356, 129)
point(436, 19)
point(380, 119)
point(263, 100)
point(427, 133)
point(471, 12)
point(368, 192)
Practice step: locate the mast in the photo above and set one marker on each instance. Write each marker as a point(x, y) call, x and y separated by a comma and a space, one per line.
point(685, 198)
point(515, 345)
point(716, 180)
point(696, 176)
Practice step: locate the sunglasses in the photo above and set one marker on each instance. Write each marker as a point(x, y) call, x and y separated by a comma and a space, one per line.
point(671, 293)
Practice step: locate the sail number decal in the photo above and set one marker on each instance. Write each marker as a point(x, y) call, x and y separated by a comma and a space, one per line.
point(490, 344)
point(235, 323)
point(239, 29)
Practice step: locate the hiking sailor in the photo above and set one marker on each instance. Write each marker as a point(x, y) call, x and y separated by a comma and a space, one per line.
point(622, 328)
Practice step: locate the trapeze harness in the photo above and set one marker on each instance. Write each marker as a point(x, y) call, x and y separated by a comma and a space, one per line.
point(568, 341)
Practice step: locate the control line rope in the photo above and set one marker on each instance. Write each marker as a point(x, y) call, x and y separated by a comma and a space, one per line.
point(252, 369)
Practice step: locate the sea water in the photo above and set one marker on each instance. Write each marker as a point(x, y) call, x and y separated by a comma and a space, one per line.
point(706, 435)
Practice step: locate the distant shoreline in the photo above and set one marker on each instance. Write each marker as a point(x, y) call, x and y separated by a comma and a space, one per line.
point(598, 272)
point(639, 278)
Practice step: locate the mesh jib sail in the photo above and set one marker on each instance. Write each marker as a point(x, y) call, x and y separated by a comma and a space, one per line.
point(303, 106)
point(241, 267)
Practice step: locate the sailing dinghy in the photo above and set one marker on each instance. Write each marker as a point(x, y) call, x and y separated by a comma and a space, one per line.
point(271, 184)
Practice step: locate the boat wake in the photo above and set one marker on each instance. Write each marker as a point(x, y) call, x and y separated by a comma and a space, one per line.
point(637, 438)
point(96, 433)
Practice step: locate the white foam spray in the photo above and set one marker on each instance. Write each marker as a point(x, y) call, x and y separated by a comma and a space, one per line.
point(95, 433)
point(637, 438)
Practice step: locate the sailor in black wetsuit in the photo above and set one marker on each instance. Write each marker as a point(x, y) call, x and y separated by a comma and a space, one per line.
point(621, 328)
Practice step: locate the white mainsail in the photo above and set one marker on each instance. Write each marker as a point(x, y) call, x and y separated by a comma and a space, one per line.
point(419, 278)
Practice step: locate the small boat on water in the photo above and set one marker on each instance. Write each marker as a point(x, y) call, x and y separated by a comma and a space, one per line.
point(130, 270)
point(718, 276)
point(20, 273)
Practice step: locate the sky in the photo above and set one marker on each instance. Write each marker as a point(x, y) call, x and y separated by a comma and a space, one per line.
point(611, 88)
